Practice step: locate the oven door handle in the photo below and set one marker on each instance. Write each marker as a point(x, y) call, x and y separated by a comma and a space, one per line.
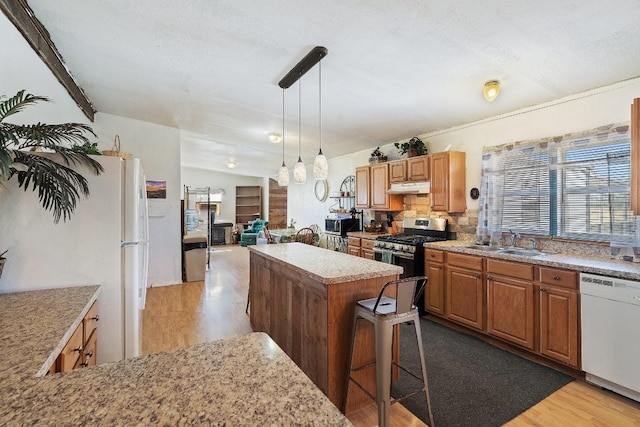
point(403, 255)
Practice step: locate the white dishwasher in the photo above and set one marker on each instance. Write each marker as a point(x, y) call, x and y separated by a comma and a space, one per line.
point(611, 333)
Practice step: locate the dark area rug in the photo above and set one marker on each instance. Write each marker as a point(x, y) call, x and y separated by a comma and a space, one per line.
point(471, 383)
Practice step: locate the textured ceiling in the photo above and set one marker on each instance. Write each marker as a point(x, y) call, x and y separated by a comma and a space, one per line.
point(395, 69)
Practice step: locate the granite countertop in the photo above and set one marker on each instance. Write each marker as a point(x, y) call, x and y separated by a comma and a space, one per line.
point(325, 266)
point(245, 380)
point(366, 235)
point(587, 264)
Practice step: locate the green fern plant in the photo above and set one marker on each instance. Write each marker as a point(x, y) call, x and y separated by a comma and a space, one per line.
point(58, 185)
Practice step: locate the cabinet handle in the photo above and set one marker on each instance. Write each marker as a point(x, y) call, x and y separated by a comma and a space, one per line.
point(96, 318)
point(489, 278)
point(89, 353)
point(79, 349)
point(556, 277)
point(543, 289)
point(84, 364)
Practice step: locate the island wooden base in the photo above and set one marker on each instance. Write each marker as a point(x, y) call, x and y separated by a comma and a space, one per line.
point(312, 322)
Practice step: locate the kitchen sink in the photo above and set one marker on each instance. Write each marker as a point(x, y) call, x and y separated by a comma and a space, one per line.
point(507, 250)
point(483, 248)
point(521, 252)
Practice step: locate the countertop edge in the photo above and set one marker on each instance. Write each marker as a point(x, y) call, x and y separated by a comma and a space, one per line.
point(44, 369)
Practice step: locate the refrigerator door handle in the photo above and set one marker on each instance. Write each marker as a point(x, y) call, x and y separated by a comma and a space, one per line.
point(136, 243)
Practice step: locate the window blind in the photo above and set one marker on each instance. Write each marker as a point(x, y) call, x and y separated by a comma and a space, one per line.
point(574, 186)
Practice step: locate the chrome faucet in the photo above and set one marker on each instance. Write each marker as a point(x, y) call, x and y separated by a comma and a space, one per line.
point(514, 237)
point(534, 243)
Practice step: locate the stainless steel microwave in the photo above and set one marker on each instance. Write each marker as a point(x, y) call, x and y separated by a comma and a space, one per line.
point(342, 225)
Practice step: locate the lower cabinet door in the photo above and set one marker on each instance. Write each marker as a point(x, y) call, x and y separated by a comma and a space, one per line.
point(435, 290)
point(90, 353)
point(559, 325)
point(510, 311)
point(465, 297)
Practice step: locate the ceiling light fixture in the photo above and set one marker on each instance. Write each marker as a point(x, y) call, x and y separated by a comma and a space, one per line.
point(299, 171)
point(283, 173)
point(491, 90)
point(320, 165)
point(275, 137)
point(231, 164)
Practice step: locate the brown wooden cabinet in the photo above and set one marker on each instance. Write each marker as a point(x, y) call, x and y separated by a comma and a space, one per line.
point(398, 171)
point(372, 183)
point(354, 246)
point(361, 247)
point(465, 290)
point(448, 181)
point(434, 301)
point(419, 168)
point(558, 315)
point(366, 249)
point(82, 349)
point(510, 302)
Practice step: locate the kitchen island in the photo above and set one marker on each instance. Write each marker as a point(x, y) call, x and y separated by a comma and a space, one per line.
point(304, 298)
point(245, 380)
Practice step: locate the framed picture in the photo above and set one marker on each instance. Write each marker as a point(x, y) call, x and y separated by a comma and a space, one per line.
point(156, 189)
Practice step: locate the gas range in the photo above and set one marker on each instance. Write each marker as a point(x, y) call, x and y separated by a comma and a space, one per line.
point(416, 232)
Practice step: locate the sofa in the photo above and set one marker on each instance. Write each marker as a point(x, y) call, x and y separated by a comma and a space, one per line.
point(250, 235)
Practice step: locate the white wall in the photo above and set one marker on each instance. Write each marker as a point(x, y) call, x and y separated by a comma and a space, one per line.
point(196, 177)
point(587, 110)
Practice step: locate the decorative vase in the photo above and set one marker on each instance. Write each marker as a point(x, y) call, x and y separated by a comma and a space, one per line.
point(377, 159)
point(413, 152)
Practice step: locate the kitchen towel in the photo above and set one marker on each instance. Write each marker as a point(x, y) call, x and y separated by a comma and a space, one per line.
point(387, 256)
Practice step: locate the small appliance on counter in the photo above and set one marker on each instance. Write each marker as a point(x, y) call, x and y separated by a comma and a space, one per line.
point(342, 226)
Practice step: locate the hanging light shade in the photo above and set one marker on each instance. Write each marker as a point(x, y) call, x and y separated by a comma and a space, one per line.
point(299, 172)
point(320, 165)
point(283, 173)
point(491, 90)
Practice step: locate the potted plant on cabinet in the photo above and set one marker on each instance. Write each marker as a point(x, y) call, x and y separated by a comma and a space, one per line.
point(414, 147)
point(377, 156)
point(2, 261)
point(59, 186)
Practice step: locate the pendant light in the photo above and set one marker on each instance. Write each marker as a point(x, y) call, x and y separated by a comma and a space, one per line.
point(320, 165)
point(299, 172)
point(283, 173)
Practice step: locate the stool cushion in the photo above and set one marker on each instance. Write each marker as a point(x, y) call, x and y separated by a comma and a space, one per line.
point(386, 306)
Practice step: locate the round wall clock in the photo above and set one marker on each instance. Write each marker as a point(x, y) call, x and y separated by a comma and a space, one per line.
point(321, 190)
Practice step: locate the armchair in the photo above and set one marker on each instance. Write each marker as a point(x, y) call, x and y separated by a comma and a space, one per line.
point(249, 236)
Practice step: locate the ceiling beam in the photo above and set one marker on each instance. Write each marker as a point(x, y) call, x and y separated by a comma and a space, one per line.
point(21, 15)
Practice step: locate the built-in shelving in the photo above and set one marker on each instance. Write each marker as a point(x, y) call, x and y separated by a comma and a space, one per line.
point(248, 203)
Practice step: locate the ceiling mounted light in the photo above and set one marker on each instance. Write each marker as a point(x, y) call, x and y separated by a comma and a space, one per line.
point(275, 137)
point(283, 173)
point(300, 171)
point(491, 90)
point(320, 165)
point(231, 164)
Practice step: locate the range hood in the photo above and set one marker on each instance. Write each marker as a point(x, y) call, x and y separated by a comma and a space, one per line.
point(423, 187)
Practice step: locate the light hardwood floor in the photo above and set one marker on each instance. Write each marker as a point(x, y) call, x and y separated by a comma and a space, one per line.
point(195, 312)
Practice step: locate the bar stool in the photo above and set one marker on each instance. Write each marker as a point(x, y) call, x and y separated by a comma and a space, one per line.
point(385, 312)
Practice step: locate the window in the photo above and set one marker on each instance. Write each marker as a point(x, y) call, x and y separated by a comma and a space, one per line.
point(576, 186)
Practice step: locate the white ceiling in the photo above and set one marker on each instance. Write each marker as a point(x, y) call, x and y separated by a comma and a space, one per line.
point(395, 69)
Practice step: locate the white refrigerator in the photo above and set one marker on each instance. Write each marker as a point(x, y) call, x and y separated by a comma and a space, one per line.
point(105, 242)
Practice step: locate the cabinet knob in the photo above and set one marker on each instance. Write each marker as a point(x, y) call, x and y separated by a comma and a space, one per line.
point(89, 353)
point(556, 277)
point(96, 318)
point(543, 289)
point(84, 364)
point(79, 349)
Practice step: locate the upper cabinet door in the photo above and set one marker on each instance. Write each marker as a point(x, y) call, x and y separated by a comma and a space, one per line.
point(418, 168)
point(362, 187)
point(448, 182)
point(398, 171)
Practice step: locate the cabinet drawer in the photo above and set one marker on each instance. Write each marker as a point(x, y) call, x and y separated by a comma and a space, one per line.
point(90, 321)
point(354, 241)
point(557, 277)
point(467, 261)
point(367, 244)
point(510, 269)
point(71, 352)
point(431, 255)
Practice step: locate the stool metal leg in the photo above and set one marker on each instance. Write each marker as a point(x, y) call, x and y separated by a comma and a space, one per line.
point(383, 344)
point(350, 365)
point(416, 324)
